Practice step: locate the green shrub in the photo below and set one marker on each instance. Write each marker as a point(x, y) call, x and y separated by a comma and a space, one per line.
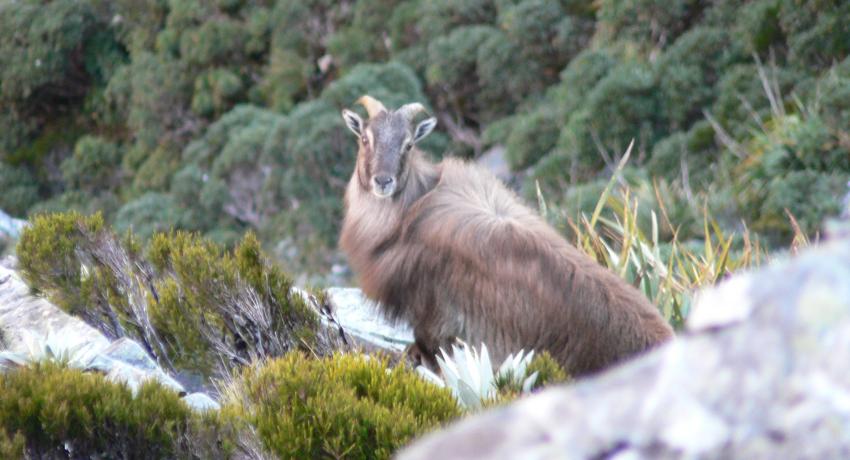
point(160, 91)
point(545, 33)
point(48, 258)
point(795, 163)
point(622, 107)
point(688, 71)
point(817, 32)
point(439, 17)
point(581, 75)
point(20, 191)
point(93, 166)
point(452, 69)
point(215, 91)
point(150, 213)
point(213, 42)
point(203, 290)
point(46, 52)
point(758, 23)
point(60, 411)
point(549, 372)
point(105, 202)
point(810, 196)
point(192, 304)
point(832, 93)
point(531, 137)
point(650, 23)
point(694, 150)
point(741, 97)
point(13, 447)
point(341, 406)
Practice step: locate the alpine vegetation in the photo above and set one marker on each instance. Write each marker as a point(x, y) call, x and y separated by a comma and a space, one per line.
point(469, 374)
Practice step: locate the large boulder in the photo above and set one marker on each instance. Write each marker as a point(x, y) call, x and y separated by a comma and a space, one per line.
point(763, 371)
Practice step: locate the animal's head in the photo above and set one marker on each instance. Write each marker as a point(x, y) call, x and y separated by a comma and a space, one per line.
point(386, 139)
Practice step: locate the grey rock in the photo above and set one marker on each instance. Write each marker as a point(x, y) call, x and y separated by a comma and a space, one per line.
point(495, 161)
point(360, 318)
point(130, 352)
point(762, 372)
point(11, 360)
point(23, 314)
point(9, 226)
point(25, 318)
point(200, 402)
point(119, 371)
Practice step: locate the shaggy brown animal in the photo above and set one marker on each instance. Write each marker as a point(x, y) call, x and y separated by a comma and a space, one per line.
point(452, 251)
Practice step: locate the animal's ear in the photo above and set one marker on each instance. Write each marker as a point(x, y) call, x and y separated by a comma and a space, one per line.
point(424, 128)
point(353, 121)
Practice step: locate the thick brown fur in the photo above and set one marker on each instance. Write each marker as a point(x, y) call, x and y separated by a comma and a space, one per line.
point(457, 255)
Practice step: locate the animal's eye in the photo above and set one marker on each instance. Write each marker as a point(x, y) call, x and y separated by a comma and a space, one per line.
point(408, 147)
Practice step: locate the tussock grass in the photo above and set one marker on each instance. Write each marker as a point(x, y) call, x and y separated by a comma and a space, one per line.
point(666, 271)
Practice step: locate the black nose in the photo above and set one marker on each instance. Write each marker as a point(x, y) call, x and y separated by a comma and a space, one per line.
point(383, 180)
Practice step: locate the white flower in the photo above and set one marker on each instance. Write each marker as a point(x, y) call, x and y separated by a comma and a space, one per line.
point(469, 374)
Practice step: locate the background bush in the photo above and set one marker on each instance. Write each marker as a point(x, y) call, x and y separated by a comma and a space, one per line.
point(223, 117)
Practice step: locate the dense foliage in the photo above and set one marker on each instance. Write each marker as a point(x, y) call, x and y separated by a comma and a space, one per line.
point(50, 411)
point(222, 117)
point(343, 406)
point(193, 305)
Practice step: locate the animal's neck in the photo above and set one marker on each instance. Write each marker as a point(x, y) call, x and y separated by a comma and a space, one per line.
point(371, 221)
point(422, 176)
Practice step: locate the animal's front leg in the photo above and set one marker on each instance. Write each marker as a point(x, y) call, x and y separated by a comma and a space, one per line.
point(425, 348)
point(419, 355)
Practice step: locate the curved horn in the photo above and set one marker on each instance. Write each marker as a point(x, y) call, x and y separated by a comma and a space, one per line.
point(373, 106)
point(410, 110)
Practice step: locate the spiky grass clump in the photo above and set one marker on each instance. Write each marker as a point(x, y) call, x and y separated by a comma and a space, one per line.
point(667, 272)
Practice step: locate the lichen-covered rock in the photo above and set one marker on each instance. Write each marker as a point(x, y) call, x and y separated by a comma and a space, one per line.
point(762, 373)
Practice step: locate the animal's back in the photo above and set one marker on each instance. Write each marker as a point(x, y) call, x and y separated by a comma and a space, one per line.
point(513, 282)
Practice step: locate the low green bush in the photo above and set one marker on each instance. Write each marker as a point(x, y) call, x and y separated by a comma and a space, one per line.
point(549, 372)
point(12, 447)
point(47, 255)
point(206, 301)
point(191, 303)
point(58, 412)
point(347, 406)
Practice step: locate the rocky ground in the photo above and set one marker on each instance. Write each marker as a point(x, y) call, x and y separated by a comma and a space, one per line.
point(32, 328)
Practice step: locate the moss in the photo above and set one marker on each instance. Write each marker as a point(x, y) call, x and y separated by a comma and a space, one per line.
point(58, 409)
point(341, 406)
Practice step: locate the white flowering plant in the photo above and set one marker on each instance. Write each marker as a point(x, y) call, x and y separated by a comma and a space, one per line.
point(469, 374)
